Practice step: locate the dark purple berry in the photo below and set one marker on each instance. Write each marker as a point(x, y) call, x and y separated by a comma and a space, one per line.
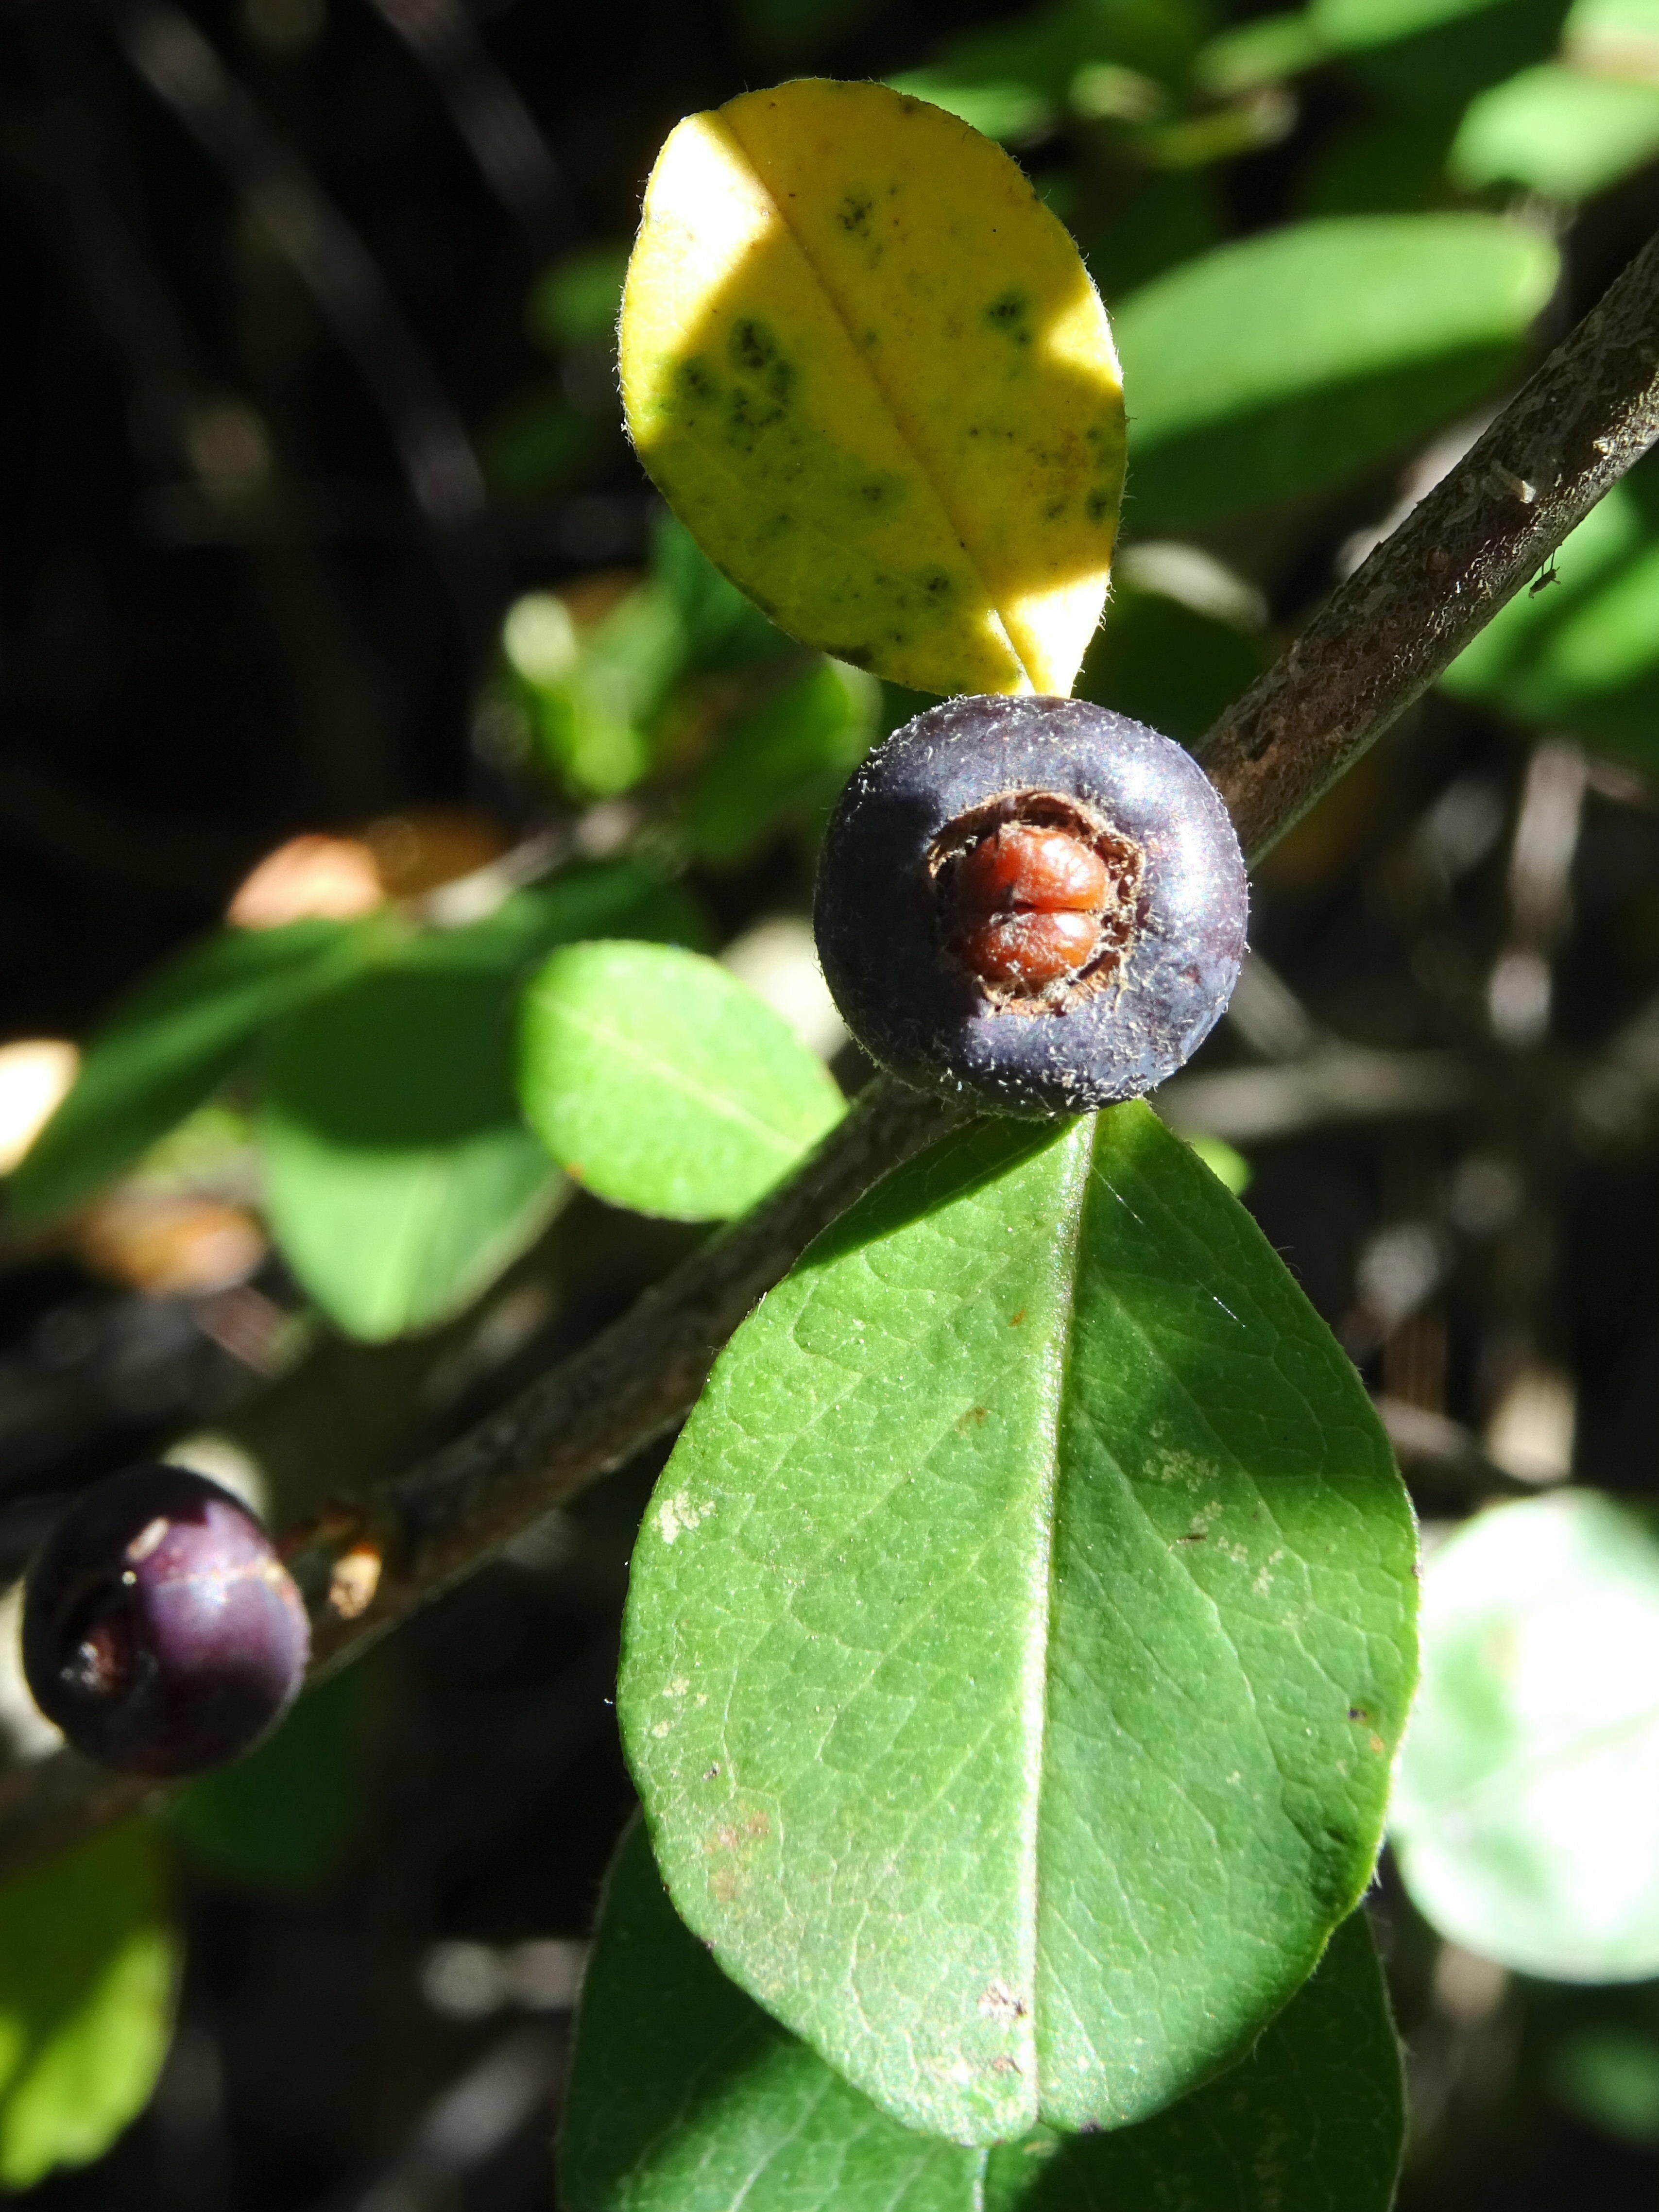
point(161, 1630)
point(1032, 905)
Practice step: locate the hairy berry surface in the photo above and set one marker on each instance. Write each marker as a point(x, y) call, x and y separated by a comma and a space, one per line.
point(161, 1630)
point(1031, 904)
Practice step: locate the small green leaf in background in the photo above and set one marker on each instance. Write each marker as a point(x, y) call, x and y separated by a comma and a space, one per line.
point(1527, 1813)
point(592, 689)
point(577, 299)
point(1608, 2078)
point(783, 761)
point(685, 2097)
point(173, 1042)
point(1558, 131)
point(1019, 1634)
point(89, 1963)
point(286, 1816)
point(1615, 38)
point(1354, 25)
point(892, 415)
point(1580, 654)
point(1295, 360)
point(400, 1176)
point(722, 628)
point(660, 1082)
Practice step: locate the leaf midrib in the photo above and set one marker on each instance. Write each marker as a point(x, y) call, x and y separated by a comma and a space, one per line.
point(896, 412)
point(1078, 1173)
point(724, 1108)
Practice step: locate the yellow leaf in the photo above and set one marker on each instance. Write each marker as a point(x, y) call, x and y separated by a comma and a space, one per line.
point(867, 369)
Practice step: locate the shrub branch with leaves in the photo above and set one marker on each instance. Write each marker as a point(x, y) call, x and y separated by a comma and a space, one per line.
point(1022, 1631)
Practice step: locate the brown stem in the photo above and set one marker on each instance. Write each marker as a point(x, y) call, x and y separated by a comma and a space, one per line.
point(1588, 414)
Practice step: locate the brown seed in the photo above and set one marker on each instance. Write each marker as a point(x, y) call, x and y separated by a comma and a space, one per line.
point(1030, 949)
point(1022, 865)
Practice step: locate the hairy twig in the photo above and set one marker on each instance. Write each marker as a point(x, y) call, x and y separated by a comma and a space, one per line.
point(1587, 414)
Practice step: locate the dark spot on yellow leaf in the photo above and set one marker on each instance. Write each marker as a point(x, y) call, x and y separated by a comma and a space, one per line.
point(854, 214)
point(1011, 313)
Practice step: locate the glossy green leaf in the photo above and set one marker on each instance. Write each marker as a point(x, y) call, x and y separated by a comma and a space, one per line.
point(285, 1816)
point(1295, 360)
point(174, 1040)
point(1558, 131)
point(869, 372)
point(88, 1968)
point(685, 2097)
point(1527, 1815)
point(1352, 25)
point(660, 1082)
point(400, 1176)
point(1580, 654)
point(783, 761)
point(1018, 1636)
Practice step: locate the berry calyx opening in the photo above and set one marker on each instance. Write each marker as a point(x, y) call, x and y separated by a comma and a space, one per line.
point(1038, 898)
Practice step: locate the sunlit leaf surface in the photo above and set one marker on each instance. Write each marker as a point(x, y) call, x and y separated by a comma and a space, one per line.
point(660, 1082)
point(1298, 359)
point(685, 2097)
point(1019, 1635)
point(88, 1968)
point(868, 370)
point(1527, 1816)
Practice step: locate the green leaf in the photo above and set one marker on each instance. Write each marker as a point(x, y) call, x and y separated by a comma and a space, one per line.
point(1296, 360)
point(174, 1040)
point(1558, 132)
point(591, 692)
point(685, 2097)
point(87, 1967)
point(1003, 108)
point(1581, 654)
point(907, 450)
point(1436, 68)
point(1018, 1636)
point(1168, 217)
point(1354, 25)
point(400, 1176)
point(284, 1817)
point(577, 299)
point(722, 629)
point(784, 761)
point(1527, 1821)
point(659, 1081)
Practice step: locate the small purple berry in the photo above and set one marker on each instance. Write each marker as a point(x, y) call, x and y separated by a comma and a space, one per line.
point(161, 1630)
point(1033, 905)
